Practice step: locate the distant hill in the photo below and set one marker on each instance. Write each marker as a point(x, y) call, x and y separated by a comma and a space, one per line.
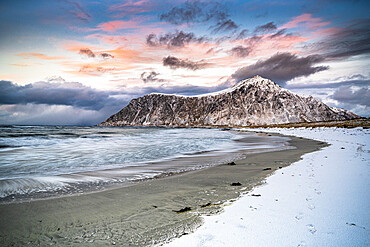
point(251, 102)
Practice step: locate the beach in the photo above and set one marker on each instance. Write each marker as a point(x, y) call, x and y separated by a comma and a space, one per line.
point(148, 212)
point(321, 200)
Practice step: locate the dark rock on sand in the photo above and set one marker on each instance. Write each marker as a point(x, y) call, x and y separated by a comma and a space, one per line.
point(236, 184)
point(231, 164)
point(267, 169)
point(206, 205)
point(183, 210)
point(256, 195)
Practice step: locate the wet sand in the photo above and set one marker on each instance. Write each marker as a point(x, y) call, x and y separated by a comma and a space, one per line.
point(144, 213)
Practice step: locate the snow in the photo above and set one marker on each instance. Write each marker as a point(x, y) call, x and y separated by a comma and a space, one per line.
point(258, 81)
point(321, 200)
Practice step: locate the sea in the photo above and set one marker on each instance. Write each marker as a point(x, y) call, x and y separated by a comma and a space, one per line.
point(43, 161)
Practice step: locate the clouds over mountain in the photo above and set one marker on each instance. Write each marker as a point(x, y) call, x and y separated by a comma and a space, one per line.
point(150, 76)
point(60, 102)
point(282, 67)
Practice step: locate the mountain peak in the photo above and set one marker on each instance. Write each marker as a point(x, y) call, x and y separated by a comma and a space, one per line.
point(257, 81)
point(253, 101)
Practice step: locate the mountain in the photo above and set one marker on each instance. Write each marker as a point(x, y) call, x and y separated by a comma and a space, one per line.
point(254, 101)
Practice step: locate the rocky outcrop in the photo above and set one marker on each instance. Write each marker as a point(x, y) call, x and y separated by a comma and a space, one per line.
point(254, 101)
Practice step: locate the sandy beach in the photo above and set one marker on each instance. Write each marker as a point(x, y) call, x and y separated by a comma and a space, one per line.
point(146, 213)
point(321, 200)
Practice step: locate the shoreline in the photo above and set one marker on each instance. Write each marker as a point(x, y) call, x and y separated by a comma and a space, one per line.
point(107, 179)
point(144, 213)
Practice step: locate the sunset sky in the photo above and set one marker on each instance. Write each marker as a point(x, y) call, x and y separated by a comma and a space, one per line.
point(78, 62)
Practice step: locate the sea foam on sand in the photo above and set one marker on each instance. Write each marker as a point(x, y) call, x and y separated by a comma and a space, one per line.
point(321, 200)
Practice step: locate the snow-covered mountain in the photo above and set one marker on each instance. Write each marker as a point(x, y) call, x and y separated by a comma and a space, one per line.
point(254, 101)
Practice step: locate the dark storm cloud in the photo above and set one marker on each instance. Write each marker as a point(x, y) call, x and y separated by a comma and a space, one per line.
point(76, 9)
point(150, 77)
point(282, 67)
point(268, 27)
point(240, 51)
point(345, 94)
point(87, 52)
point(67, 93)
point(173, 40)
point(346, 42)
point(176, 63)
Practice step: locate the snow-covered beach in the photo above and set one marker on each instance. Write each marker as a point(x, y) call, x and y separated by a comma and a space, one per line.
point(321, 200)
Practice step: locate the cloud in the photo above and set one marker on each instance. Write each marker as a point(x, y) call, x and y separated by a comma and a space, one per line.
point(87, 52)
point(349, 41)
point(224, 26)
point(268, 27)
point(129, 8)
point(106, 55)
point(279, 33)
point(73, 103)
point(282, 67)
point(307, 21)
point(201, 12)
point(173, 40)
point(29, 55)
point(76, 9)
point(195, 12)
point(356, 80)
point(150, 77)
point(113, 26)
point(94, 70)
point(49, 93)
point(240, 51)
point(242, 34)
point(36, 114)
point(176, 63)
point(350, 95)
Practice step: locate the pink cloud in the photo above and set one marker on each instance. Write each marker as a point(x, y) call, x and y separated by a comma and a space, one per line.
point(129, 8)
point(112, 26)
point(306, 20)
point(328, 31)
point(108, 39)
point(29, 55)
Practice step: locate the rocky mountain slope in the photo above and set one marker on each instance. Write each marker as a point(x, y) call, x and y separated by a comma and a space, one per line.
point(254, 101)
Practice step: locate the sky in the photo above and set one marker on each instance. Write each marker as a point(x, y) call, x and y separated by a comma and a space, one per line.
point(77, 62)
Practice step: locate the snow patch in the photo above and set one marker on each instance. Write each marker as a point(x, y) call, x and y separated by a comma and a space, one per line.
point(321, 200)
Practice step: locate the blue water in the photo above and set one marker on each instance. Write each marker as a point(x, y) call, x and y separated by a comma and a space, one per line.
point(70, 159)
point(28, 151)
